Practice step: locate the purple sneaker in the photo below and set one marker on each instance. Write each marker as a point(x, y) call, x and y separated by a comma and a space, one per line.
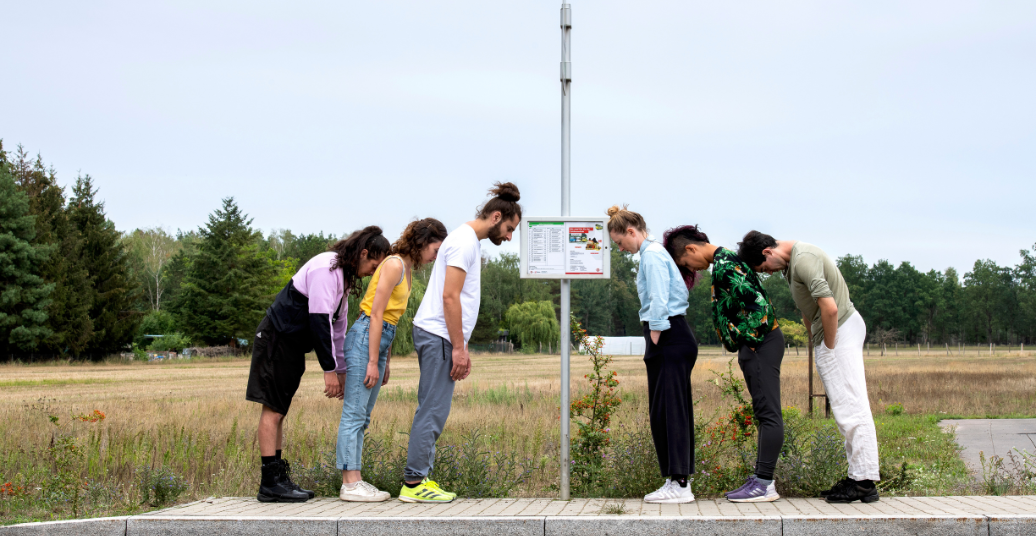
point(755, 491)
point(748, 481)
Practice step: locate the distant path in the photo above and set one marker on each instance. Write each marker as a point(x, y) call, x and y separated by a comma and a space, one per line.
point(994, 437)
point(942, 516)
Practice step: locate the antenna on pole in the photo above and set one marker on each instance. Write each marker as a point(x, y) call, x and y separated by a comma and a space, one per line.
point(566, 207)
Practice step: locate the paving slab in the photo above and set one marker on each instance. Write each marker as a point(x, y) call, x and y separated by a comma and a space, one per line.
point(993, 437)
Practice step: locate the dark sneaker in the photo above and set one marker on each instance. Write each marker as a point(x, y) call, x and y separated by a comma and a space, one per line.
point(837, 485)
point(275, 487)
point(294, 486)
point(853, 492)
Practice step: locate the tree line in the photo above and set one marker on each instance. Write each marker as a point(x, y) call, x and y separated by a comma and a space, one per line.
point(73, 286)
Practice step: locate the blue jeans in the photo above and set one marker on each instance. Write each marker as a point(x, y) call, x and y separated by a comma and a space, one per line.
point(358, 401)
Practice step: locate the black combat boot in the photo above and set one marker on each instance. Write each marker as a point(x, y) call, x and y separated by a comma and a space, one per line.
point(294, 486)
point(838, 485)
point(275, 487)
point(863, 491)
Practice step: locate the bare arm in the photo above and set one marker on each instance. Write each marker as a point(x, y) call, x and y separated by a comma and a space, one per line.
point(452, 309)
point(390, 274)
point(829, 319)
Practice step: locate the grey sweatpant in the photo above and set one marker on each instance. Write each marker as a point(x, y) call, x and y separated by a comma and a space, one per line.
point(434, 396)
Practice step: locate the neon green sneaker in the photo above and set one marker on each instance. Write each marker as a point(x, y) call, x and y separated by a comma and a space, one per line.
point(434, 485)
point(424, 493)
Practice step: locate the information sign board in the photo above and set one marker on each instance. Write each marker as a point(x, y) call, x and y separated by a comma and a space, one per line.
point(565, 248)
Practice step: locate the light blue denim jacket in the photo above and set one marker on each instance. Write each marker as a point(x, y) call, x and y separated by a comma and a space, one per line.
point(661, 288)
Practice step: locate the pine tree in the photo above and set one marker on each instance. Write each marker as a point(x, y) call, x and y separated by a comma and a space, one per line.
point(24, 295)
point(113, 290)
point(68, 316)
point(229, 280)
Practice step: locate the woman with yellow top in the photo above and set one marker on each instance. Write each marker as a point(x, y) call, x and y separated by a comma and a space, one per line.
point(368, 344)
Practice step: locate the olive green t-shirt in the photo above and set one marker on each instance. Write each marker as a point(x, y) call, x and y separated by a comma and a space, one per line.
point(813, 275)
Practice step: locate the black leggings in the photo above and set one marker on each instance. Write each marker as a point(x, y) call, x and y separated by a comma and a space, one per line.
point(762, 370)
point(670, 408)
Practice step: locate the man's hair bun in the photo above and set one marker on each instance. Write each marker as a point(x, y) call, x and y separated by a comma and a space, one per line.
point(506, 191)
point(504, 198)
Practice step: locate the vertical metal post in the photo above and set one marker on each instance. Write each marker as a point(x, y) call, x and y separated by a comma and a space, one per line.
point(566, 206)
point(810, 354)
point(812, 394)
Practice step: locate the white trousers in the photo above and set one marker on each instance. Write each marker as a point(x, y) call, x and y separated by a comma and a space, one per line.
point(845, 383)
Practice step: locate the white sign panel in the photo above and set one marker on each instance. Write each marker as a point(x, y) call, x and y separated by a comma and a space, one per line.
point(565, 248)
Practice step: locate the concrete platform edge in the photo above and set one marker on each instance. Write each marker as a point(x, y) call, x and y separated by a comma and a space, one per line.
point(538, 525)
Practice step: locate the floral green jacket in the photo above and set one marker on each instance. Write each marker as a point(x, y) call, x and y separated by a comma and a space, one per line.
point(741, 311)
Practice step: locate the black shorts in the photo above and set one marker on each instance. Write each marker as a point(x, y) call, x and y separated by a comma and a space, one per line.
point(278, 362)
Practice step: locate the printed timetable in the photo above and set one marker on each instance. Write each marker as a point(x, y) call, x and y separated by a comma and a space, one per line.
point(565, 249)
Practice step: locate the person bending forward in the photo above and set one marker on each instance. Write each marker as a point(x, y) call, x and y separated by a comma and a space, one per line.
point(838, 334)
point(369, 348)
point(309, 313)
point(746, 323)
point(442, 327)
point(670, 355)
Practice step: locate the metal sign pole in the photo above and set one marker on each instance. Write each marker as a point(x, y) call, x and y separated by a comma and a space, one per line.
point(566, 206)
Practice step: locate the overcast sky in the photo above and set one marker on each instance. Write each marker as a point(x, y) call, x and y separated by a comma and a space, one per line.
point(895, 130)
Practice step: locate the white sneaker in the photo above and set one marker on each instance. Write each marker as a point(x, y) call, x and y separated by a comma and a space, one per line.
point(670, 493)
point(362, 492)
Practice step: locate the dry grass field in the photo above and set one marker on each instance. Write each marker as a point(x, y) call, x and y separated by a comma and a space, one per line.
point(191, 415)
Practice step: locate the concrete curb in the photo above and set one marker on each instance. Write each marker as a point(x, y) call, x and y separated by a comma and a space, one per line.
point(473, 526)
point(231, 525)
point(892, 525)
point(1011, 525)
point(662, 525)
point(538, 525)
point(101, 526)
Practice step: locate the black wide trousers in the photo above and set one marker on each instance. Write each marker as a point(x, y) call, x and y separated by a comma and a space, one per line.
point(670, 407)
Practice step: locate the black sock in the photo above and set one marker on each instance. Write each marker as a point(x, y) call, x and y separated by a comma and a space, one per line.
point(865, 484)
point(278, 455)
point(409, 485)
point(680, 479)
point(267, 459)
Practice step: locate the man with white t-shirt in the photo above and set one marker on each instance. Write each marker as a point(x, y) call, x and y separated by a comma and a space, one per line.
point(442, 327)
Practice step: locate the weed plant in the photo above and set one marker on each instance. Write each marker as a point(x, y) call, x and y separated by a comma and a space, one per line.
point(1011, 475)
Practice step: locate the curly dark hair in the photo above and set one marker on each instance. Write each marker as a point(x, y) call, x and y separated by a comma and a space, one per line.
point(416, 236)
point(676, 239)
point(751, 247)
point(349, 250)
point(505, 199)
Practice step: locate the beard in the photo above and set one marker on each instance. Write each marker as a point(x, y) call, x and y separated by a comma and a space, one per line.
point(496, 234)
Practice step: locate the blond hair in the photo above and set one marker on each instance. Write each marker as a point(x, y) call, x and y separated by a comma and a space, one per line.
point(620, 219)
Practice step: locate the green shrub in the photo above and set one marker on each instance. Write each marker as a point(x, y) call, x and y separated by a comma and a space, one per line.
point(174, 342)
point(894, 409)
point(812, 459)
point(159, 485)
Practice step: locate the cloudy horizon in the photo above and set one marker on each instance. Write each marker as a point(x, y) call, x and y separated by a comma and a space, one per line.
point(891, 131)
